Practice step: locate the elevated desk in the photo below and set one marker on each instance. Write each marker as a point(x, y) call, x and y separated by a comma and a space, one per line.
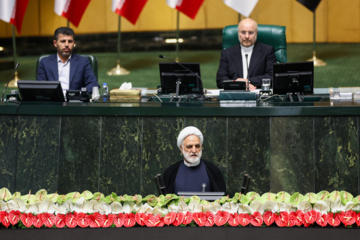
point(120, 147)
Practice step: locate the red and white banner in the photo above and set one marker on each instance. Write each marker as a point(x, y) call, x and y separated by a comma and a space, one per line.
point(129, 9)
point(72, 10)
point(244, 7)
point(13, 11)
point(188, 7)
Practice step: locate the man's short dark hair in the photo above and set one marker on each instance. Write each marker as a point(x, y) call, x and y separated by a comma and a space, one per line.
point(65, 31)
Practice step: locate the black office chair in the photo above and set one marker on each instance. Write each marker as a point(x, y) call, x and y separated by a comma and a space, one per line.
point(92, 59)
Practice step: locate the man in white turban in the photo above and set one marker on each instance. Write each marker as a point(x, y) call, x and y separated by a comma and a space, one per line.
point(192, 174)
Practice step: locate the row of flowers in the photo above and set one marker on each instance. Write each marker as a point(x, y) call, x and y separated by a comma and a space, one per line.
point(201, 219)
point(338, 208)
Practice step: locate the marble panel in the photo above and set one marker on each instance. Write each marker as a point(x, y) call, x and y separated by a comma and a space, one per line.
point(292, 164)
point(38, 153)
point(159, 149)
point(121, 142)
point(337, 154)
point(248, 153)
point(8, 151)
point(80, 147)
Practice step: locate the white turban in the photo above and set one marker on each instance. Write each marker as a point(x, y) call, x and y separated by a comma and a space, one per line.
point(187, 132)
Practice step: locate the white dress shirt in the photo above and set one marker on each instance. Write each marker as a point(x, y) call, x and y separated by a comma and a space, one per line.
point(64, 73)
point(246, 51)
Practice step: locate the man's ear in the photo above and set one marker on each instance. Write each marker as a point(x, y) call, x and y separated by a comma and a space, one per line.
point(54, 42)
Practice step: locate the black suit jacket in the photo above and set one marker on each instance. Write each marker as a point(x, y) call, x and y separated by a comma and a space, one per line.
point(261, 64)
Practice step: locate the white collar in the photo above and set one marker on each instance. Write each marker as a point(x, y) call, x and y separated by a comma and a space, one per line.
point(59, 59)
point(247, 49)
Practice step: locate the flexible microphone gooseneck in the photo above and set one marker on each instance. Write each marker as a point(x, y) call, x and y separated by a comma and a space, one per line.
point(13, 74)
point(197, 75)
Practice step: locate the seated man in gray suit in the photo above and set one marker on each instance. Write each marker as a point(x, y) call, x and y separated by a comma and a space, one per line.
point(250, 61)
point(72, 70)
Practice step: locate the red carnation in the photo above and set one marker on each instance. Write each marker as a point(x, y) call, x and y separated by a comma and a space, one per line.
point(141, 218)
point(27, 219)
point(38, 221)
point(178, 219)
point(199, 218)
point(333, 219)
point(109, 220)
point(210, 219)
point(70, 220)
point(95, 220)
point(129, 220)
point(187, 218)
point(310, 217)
point(119, 220)
point(170, 218)
point(14, 216)
point(349, 218)
point(48, 219)
point(256, 219)
point(233, 220)
point(321, 219)
point(221, 217)
point(269, 218)
point(82, 220)
point(60, 220)
point(244, 219)
point(4, 218)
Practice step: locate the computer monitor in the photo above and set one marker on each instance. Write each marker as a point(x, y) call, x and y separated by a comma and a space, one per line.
point(187, 74)
point(295, 77)
point(40, 91)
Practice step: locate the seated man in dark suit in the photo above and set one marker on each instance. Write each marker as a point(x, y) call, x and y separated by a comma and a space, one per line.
point(191, 173)
point(72, 70)
point(250, 55)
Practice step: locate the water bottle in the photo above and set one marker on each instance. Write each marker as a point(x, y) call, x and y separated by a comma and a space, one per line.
point(105, 90)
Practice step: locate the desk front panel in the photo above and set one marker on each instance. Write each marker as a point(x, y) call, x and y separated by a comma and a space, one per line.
point(122, 154)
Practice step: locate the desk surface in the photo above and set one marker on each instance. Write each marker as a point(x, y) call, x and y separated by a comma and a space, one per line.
point(196, 108)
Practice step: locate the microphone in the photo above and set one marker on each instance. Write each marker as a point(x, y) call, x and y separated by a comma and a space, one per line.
point(203, 187)
point(247, 69)
point(197, 75)
point(13, 74)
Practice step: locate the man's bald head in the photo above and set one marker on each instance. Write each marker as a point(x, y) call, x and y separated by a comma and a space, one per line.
point(247, 32)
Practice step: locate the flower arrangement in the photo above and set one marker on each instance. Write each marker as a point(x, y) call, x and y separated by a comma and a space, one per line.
point(94, 210)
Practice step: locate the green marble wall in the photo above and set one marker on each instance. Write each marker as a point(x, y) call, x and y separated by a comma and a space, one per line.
point(337, 153)
point(123, 154)
point(8, 150)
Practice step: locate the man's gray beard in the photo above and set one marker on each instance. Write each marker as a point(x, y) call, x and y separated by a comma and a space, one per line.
point(192, 161)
